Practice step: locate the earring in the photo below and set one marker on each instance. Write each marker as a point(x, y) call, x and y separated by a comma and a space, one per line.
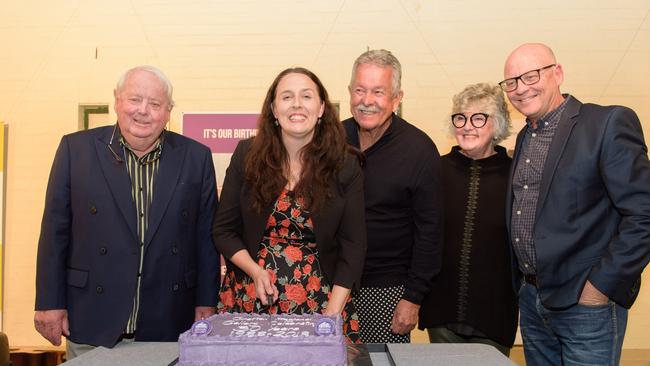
point(318, 122)
point(276, 122)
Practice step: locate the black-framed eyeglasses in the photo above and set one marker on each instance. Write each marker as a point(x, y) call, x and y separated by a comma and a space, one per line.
point(477, 120)
point(528, 78)
point(117, 157)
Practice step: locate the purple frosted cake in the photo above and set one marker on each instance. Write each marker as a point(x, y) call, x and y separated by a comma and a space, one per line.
point(254, 339)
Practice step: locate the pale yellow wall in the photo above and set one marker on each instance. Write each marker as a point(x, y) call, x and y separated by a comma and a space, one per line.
point(2, 184)
point(222, 55)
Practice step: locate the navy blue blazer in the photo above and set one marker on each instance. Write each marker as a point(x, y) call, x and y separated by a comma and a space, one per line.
point(339, 225)
point(592, 220)
point(88, 252)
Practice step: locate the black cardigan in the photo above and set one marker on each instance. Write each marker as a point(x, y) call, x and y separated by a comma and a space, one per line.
point(474, 287)
point(339, 224)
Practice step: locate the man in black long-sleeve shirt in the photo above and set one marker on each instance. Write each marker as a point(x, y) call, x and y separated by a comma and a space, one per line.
point(403, 202)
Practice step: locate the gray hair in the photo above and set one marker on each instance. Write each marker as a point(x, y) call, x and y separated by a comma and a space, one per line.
point(169, 89)
point(492, 95)
point(382, 58)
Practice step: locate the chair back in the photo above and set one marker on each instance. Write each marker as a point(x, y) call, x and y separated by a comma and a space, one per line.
point(4, 350)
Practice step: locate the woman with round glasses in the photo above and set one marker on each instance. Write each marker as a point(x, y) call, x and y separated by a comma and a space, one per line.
point(472, 299)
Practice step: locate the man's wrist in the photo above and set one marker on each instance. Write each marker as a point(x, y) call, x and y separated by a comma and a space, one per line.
point(412, 296)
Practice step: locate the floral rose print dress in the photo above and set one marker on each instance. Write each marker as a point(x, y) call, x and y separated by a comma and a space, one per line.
point(288, 251)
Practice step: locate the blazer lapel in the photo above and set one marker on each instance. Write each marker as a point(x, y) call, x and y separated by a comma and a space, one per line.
point(258, 221)
point(117, 178)
point(565, 125)
point(171, 161)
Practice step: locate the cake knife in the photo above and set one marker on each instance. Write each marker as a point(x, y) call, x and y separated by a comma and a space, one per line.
point(269, 302)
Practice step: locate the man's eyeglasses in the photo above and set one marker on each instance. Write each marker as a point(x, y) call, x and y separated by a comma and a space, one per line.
point(110, 148)
point(528, 78)
point(477, 120)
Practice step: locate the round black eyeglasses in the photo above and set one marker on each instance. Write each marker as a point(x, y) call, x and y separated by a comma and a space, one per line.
point(477, 120)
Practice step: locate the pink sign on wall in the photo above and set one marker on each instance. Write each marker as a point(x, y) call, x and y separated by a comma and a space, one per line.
point(219, 131)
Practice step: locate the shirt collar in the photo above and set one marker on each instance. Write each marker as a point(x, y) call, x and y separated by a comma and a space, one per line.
point(149, 157)
point(552, 117)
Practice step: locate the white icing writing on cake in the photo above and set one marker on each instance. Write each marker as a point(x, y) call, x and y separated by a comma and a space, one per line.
point(279, 327)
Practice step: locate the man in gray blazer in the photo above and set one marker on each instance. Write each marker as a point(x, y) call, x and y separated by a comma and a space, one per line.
point(578, 212)
point(125, 251)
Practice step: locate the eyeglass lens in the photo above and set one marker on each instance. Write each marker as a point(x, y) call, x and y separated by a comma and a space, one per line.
point(477, 120)
point(528, 78)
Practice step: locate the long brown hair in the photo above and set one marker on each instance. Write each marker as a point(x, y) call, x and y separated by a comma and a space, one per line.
point(321, 158)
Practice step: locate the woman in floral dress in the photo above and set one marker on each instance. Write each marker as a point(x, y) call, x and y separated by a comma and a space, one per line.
point(291, 216)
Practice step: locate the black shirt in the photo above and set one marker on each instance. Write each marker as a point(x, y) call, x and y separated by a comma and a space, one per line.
point(402, 184)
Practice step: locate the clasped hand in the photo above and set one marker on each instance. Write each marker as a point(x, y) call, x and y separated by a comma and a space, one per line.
point(264, 286)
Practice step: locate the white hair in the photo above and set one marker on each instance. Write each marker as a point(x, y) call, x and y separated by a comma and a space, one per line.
point(382, 58)
point(157, 72)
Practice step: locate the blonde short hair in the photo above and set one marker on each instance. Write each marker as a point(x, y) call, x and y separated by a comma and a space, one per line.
point(492, 96)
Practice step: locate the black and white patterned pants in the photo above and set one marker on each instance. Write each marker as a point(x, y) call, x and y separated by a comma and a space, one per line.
point(375, 306)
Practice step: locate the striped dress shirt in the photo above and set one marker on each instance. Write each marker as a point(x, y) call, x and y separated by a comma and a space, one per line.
point(142, 171)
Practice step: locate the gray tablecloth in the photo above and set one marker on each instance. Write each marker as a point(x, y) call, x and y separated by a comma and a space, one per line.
point(447, 354)
point(161, 354)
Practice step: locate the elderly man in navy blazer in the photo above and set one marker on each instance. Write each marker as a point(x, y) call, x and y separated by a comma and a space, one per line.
point(125, 251)
point(578, 213)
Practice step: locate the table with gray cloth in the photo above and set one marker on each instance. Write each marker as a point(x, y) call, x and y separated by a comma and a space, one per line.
point(164, 353)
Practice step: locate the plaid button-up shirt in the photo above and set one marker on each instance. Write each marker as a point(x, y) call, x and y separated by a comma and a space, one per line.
point(526, 185)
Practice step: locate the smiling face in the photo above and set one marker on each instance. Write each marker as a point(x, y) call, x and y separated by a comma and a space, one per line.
point(297, 106)
point(371, 96)
point(142, 107)
point(476, 143)
point(534, 101)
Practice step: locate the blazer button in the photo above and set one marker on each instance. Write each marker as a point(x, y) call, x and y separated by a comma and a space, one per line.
point(93, 209)
point(174, 250)
point(99, 289)
point(103, 250)
point(184, 214)
point(175, 287)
